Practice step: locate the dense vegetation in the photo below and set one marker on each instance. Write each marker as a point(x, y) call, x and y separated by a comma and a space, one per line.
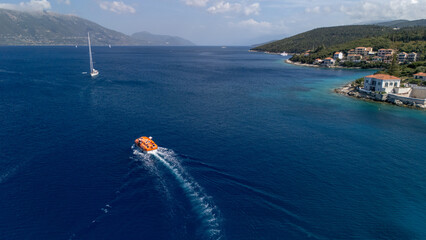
point(405, 40)
point(324, 37)
point(331, 36)
point(403, 23)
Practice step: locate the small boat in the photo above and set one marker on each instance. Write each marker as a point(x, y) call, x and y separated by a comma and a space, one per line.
point(284, 54)
point(109, 45)
point(146, 144)
point(93, 72)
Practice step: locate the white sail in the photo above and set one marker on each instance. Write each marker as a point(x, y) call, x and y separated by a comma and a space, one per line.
point(90, 53)
point(93, 72)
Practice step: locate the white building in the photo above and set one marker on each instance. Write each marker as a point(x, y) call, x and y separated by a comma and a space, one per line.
point(381, 83)
point(338, 55)
point(328, 61)
point(412, 57)
point(402, 57)
point(363, 50)
point(318, 61)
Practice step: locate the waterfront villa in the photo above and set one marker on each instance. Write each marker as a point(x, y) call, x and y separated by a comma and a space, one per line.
point(318, 61)
point(381, 83)
point(421, 76)
point(338, 55)
point(328, 61)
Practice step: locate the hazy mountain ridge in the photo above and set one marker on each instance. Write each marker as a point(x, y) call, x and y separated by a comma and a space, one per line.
point(150, 39)
point(403, 23)
point(47, 28)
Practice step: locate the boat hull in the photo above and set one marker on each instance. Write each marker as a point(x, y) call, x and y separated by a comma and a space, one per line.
point(146, 144)
point(94, 73)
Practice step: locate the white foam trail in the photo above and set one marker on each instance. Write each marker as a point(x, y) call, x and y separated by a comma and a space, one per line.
point(201, 203)
point(4, 175)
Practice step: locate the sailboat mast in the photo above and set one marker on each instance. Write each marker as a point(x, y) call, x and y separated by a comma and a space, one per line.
point(90, 53)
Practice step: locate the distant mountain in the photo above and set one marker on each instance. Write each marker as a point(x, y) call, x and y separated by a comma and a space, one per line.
point(149, 39)
point(47, 28)
point(323, 37)
point(403, 23)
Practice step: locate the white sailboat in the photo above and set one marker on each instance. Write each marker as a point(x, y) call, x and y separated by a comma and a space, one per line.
point(93, 72)
point(284, 54)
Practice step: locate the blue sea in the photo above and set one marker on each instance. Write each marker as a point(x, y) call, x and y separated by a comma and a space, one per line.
point(250, 148)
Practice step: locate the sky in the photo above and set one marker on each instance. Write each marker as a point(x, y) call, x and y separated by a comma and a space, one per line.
point(226, 22)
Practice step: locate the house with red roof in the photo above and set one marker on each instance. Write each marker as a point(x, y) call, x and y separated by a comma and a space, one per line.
point(328, 61)
point(381, 83)
point(318, 61)
point(354, 57)
point(363, 50)
point(420, 75)
point(338, 55)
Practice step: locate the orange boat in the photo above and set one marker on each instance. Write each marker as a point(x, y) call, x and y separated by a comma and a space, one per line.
point(146, 144)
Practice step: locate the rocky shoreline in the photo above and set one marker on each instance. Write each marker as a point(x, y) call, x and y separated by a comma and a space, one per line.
point(301, 64)
point(352, 91)
point(317, 66)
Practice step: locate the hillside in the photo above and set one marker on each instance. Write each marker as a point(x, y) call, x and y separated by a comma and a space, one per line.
point(325, 37)
point(405, 40)
point(47, 28)
point(403, 23)
point(148, 39)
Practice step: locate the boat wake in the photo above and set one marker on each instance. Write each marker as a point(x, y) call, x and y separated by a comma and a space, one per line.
point(202, 204)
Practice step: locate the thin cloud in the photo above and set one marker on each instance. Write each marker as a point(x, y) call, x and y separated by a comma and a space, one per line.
point(197, 3)
point(253, 25)
point(385, 9)
point(116, 7)
point(318, 9)
point(67, 2)
point(33, 5)
point(225, 7)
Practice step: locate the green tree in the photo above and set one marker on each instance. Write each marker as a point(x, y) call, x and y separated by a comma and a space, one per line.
point(394, 67)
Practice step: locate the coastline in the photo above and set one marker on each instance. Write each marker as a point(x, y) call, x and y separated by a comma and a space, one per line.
point(288, 61)
point(351, 91)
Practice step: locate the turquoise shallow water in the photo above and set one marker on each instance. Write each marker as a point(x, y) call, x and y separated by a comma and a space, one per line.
point(251, 148)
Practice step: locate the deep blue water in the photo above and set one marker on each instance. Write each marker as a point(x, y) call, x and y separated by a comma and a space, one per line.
point(252, 148)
